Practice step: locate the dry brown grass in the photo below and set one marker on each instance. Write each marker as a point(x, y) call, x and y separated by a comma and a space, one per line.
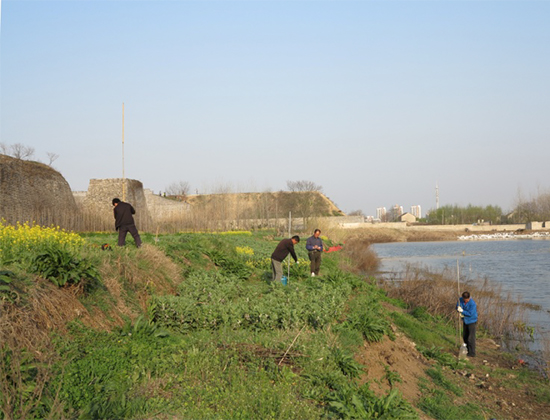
point(25, 327)
point(500, 313)
point(385, 235)
point(363, 258)
point(24, 345)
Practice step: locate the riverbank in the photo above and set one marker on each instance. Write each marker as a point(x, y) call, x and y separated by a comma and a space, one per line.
point(498, 236)
point(434, 234)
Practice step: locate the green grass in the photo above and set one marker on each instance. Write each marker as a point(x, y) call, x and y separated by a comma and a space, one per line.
point(228, 345)
point(217, 348)
point(439, 379)
point(438, 405)
point(426, 331)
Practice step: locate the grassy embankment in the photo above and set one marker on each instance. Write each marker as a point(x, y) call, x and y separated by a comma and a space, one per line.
point(187, 327)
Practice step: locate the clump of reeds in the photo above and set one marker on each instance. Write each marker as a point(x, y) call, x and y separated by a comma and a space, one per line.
point(500, 313)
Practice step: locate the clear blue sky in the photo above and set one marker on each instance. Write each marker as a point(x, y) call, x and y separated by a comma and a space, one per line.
point(374, 100)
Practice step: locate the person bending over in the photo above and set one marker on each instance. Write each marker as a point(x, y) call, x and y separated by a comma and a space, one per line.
point(285, 247)
point(124, 222)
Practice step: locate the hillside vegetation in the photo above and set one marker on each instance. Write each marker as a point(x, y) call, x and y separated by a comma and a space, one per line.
point(188, 327)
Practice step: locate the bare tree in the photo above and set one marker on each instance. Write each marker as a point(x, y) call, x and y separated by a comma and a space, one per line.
point(52, 157)
point(178, 188)
point(20, 151)
point(356, 213)
point(301, 186)
point(4, 149)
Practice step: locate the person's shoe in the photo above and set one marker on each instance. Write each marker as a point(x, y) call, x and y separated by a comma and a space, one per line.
point(471, 355)
point(312, 274)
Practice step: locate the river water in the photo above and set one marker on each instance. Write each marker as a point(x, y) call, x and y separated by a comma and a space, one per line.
point(521, 266)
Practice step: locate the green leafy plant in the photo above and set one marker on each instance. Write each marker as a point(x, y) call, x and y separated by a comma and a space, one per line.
point(361, 403)
point(372, 325)
point(392, 377)
point(346, 363)
point(63, 268)
point(7, 290)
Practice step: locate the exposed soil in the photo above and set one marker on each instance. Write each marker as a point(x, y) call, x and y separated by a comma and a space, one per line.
point(398, 356)
point(499, 396)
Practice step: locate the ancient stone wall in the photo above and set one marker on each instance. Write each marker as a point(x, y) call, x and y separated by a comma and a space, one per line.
point(32, 191)
point(97, 204)
point(162, 208)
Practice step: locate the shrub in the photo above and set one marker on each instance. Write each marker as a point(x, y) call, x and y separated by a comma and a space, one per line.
point(364, 259)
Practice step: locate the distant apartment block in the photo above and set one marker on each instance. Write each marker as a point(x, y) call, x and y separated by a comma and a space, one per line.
point(381, 213)
point(397, 210)
point(416, 211)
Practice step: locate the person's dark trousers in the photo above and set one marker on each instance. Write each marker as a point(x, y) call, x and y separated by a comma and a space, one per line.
point(315, 258)
point(469, 336)
point(277, 270)
point(123, 230)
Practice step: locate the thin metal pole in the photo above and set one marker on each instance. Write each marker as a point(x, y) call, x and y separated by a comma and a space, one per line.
point(289, 227)
point(123, 174)
point(458, 290)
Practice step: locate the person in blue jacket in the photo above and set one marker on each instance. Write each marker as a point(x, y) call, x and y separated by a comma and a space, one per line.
point(468, 312)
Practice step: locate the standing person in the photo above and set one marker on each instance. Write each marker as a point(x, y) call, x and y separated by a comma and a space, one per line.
point(314, 246)
point(124, 222)
point(284, 247)
point(468, 311)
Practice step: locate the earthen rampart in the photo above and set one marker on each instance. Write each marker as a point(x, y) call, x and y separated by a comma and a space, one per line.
point(34, 192)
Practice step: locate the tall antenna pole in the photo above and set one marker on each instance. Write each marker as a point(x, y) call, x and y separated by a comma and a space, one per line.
point(123, 175)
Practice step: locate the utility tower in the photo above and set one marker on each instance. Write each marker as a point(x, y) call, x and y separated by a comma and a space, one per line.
point(436, 196)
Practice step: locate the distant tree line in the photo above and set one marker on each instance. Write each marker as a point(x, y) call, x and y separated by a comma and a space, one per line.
point(457, 215)
point(535, 209)
point(531, 210)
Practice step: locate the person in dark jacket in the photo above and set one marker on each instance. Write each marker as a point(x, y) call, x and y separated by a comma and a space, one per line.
point(285, 247)
point(468, 312)
point(314, 246)
point(124, 222)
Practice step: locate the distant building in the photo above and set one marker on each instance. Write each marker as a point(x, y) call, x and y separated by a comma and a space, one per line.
point(397, 210)
point(416, 211)
point(537, 225)
point(407, 217)
point(381, 213)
